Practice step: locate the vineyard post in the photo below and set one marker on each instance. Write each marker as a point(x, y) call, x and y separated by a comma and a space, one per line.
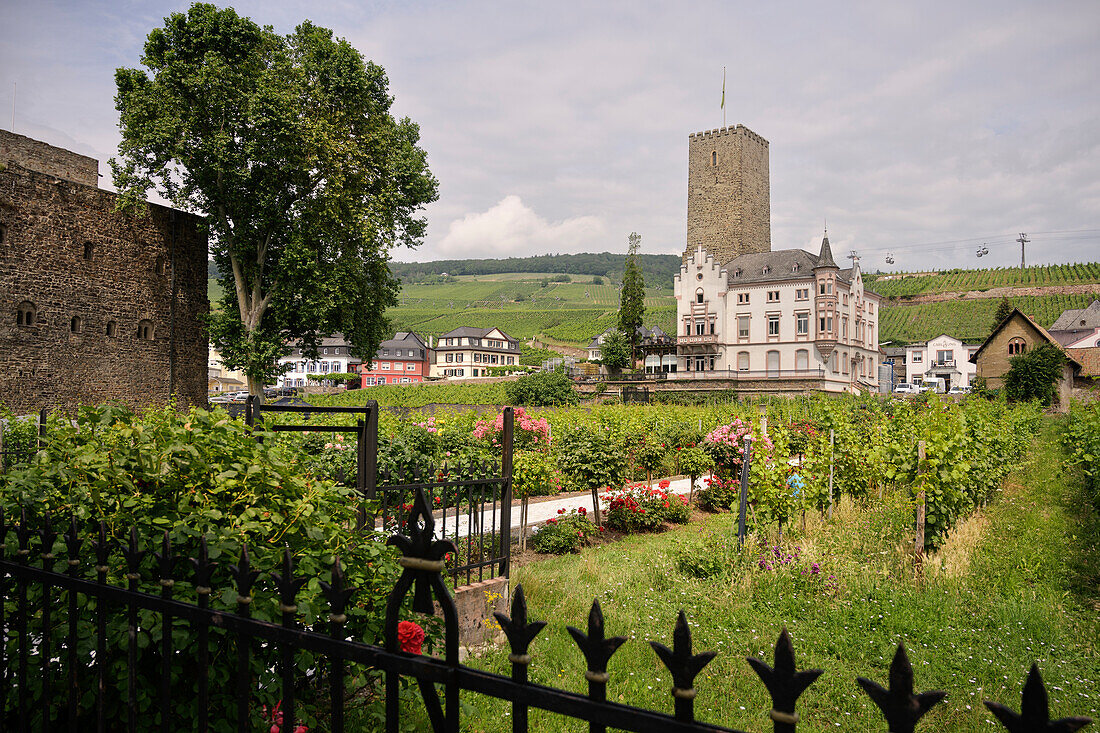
point(832, 442)
point(918, 541)
point(746, 462)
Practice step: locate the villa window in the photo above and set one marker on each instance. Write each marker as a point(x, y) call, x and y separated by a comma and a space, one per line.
point(743, 327)
point(802, 359)
point(773, 296)
point(773, 325)
point(802, 324)
point(699, 295)
point(742, 361)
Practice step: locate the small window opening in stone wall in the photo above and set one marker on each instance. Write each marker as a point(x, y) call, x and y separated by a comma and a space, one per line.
point(714, 158)
point(76, 325)
point(112, 329)
point(160, 266)
point(26, 314)
point(89, 250)
point(3, 233)
point(145, 330)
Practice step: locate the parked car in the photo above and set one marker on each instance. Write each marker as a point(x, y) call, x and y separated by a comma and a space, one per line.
point(957, 389)
point(905, 388)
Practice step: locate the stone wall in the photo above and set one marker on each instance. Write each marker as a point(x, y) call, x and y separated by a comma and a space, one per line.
point(100, 284)
point(729, 199)
point(45, 158)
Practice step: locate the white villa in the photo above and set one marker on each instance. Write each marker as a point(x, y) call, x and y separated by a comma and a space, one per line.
point(944, 357)
point(785, 316)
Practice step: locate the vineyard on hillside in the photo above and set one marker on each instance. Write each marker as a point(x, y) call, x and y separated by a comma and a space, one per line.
point(894, 285)
point(969, 320)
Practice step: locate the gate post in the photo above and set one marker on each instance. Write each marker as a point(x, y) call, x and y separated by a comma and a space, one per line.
point(506, 494)
point(366, 461)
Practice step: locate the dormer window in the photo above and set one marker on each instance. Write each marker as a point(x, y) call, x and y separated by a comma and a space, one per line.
point(795, 267)
point(766, 269)
point(737, 272)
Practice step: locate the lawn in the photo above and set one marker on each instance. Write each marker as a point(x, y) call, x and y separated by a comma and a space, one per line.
point(1013, 584)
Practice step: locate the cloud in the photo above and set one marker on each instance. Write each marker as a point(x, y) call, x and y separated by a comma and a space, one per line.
point(513, 229)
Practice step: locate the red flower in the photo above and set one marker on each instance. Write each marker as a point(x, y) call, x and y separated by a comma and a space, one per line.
point(410, 636)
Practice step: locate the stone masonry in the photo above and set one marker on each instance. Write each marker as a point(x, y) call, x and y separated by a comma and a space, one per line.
point(95, 305)
point(729, 195)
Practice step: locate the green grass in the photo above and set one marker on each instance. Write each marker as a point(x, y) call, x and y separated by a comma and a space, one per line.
point(1015, 585)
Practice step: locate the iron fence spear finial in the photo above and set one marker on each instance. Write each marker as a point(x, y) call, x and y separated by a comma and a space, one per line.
point(901, 708)
point(784, 683)
point(1034, 715)
point(684, 667)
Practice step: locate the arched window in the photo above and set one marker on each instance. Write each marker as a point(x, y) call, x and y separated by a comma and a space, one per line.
point(795, 267)
point(1016, 346)
point(742, 361)
point(145, 330)
point(89, 250)
point(26, 314)
point(802, 359)
point(699, 295)
point(773, 363)
point(76, 325)
point(160, 266)
point(112, 329)
point(765, 270)
point(714, 157)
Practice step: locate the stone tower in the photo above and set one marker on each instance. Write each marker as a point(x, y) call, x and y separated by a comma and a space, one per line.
point(729, 199)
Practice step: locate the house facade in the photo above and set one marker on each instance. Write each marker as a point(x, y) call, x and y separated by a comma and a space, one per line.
point(1018, 334)
point(469, 352)
point(944, 357)
point(404, 359)
point(333, 357)
point(782, 315)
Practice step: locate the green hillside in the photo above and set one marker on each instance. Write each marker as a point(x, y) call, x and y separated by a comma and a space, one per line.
point(529, 303)
point(893, 285)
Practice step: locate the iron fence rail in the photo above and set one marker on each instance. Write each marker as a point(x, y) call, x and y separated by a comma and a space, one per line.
point(69, 602)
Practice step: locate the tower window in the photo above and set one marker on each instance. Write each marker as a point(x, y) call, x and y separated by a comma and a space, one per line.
point(76, 325)
point(89, 250)
point(3, 233)
point(714, 158)
point(160, 266)
point(145, 330)
point(112, 329)
point(26, 314)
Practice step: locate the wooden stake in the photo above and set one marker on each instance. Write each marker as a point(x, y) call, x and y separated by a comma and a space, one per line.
point(832, 439)
point(918, 541)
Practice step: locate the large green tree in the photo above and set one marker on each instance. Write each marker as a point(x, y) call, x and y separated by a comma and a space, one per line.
point(615, 352)
point(286, 146)
point(632, 300)
point(1004, 310)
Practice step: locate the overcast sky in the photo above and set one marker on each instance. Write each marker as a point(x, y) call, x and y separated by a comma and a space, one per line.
point(921, 129)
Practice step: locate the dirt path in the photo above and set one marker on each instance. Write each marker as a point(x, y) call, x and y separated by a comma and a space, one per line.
point(1008, 291)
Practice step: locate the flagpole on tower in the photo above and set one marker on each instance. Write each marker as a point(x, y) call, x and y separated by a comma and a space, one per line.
point(723, 96)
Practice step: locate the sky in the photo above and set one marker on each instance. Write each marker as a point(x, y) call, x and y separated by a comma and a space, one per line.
point(917, 130)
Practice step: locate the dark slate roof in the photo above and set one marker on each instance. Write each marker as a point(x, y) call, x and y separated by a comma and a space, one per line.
point(825, 257)
point(471, 332)
point(780, 265)
point(404, 340)
point(1071, 320)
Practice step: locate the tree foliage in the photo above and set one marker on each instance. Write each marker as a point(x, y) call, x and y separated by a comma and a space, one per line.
point(615, 351)
point(286, 146)
point(1032, 376)
point(1004, 310)
point(632, 300)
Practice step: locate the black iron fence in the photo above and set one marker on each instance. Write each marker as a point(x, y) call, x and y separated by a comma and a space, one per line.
point(471, 501)
point(58, 672)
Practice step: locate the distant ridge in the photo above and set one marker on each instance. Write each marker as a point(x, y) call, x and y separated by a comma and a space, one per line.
point(658, 269)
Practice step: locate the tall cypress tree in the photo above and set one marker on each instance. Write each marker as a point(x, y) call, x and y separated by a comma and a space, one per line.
point(632, 301)
point(1004, 309)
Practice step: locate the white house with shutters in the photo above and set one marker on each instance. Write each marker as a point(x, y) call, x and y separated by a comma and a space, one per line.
point(787, 315)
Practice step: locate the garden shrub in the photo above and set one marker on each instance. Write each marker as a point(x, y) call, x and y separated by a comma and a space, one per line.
point(533, 474)
point(568, 532)
point(702, 560)
point(200, 475)
point(718, 494)
point(542, 389)
point(639, 508)
point(590, 459)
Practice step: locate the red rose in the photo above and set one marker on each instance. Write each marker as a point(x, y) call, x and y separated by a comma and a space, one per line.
point(410, 636)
